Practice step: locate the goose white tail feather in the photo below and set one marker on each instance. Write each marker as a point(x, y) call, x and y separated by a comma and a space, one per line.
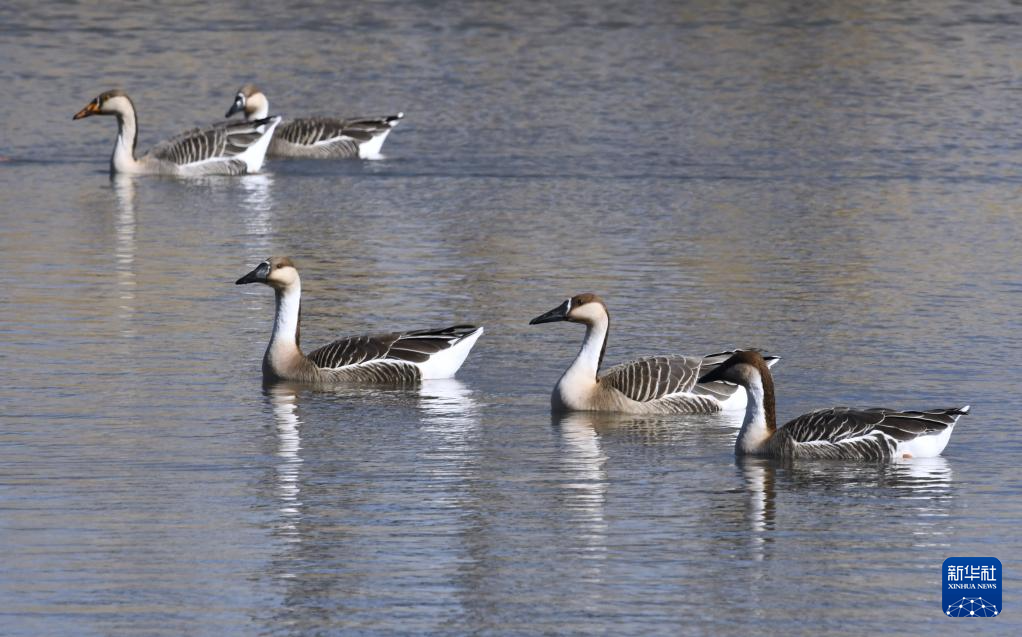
point(446, 362)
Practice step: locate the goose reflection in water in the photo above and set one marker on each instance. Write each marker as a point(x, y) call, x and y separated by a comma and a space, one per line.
point(313, 497)
point(925, 484)
point(258, 203)
point(284, 401)
point(906, 478)
point(448, 410)
point(450, 418)
point(583, 462)
point(918, 490)
point(124, 252)
point(758, 475)
point(448, 406)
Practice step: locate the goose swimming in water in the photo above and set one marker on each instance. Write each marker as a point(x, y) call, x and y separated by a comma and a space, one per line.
point(317, 137)
point(839, 432)
point(234, 149)
point(653, 385)
point(397, 357)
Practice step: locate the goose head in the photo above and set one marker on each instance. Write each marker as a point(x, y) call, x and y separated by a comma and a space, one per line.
point(744, 368)
point(277, 272)
point(115, 102)
point(582, 308)
point(250, 100)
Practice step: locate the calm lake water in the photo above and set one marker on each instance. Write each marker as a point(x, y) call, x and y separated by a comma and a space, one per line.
point(837, 183)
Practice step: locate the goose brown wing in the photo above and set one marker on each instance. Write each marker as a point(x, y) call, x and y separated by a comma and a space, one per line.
point(654, 377)
point(650, 378)
point(405, 347)
point(222, 141)
point(873, 433)
point(417, 346)
point(354, 350)
point(308, 131)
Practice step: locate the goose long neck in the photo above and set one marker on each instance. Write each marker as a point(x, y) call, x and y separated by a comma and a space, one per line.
point(590, 357)
point(760, 415)
point(769, 407)
point(123, 159)
point(286, 337)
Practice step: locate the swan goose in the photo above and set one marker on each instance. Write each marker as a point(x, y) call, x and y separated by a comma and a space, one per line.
point(234, 149)
point(838, 432)
point(391, 358)
point(317, 137)
point(652, 385)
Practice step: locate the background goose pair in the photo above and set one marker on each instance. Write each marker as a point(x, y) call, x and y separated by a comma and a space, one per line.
point(653, 385)
point(238, 148)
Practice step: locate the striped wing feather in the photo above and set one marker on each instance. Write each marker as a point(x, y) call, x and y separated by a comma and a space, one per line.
point(398, 348)
point(650, 378)
point(655, 377)
point(387, 372)
point(347, 133)
point(866, 433)
point(353, 350)
point(418, 346)
point(203, 144)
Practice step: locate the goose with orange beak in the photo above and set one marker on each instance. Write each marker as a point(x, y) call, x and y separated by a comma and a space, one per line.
point(235, 149)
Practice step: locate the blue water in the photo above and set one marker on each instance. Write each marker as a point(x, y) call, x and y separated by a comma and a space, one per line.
point(834, 183)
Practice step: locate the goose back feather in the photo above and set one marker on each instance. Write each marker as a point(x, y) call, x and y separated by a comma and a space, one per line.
point(221, 145)
point(326, 138)
point(407, 347)
point(863, 434)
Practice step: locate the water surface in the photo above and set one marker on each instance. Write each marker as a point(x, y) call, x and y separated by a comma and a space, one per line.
point(836, 184)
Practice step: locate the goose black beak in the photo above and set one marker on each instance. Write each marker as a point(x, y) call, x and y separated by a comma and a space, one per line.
point(255, 276)
point(90, 109)
point(559, 313)
point(236, 107)
point(711, 376)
